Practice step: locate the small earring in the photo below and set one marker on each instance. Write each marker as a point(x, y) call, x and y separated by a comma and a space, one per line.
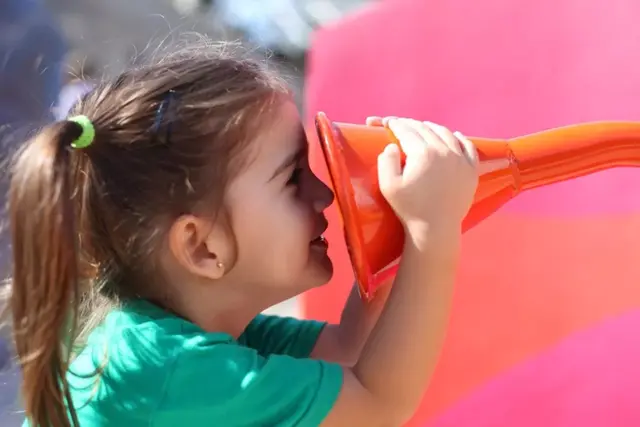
point(219, 264)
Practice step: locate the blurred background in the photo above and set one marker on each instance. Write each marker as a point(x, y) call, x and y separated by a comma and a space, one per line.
point(51, 50)
point(110, 35)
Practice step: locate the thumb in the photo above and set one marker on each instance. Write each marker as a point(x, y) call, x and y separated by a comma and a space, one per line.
point(389, 168)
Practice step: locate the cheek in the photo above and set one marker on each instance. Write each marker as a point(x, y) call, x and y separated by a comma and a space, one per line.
point(274, 239)
point(291, 227)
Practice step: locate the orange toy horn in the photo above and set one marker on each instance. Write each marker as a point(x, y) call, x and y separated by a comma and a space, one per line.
point(374, 234)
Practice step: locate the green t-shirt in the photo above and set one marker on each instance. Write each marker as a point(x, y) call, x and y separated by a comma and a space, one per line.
point(163, 371)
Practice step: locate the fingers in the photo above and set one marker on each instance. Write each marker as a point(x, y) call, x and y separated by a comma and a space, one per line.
point(470, 151)
point(412, 142)
point(374, 121)
point(389, 167)
point(446, 136)
point(410, 132)
point(427, 132)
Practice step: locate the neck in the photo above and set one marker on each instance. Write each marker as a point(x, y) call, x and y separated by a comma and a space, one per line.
point(214, 310)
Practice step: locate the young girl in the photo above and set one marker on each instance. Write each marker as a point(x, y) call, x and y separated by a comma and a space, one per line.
point(173, 207)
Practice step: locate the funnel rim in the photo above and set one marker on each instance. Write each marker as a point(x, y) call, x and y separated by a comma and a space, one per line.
point(346, 202)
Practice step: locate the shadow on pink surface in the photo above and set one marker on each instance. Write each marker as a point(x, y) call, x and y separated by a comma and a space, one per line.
point(591, 376)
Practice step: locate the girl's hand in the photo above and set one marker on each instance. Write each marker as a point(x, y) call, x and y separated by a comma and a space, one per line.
point(435, 188)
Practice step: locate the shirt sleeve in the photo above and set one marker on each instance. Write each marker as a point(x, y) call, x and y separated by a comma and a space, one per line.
point(235, 386)
point(282, 335)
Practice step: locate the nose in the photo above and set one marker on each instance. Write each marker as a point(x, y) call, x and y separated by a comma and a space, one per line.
point(322, 195)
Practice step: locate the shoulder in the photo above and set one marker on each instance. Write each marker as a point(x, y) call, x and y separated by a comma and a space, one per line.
point(137, 344)
point(282, 335)
point(237, 385)
point(130, 360)
point(164, 371)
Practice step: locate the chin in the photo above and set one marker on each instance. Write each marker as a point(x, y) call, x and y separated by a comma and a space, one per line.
point(315, 276)
point(321, 278)
point(323, 281)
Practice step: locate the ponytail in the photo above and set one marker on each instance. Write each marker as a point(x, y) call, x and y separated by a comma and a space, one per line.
point(45, 272)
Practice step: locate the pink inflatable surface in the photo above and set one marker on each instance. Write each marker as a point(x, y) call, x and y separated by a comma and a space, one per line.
point(546, 320)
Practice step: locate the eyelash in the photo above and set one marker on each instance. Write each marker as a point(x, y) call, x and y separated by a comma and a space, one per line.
point(295, 177)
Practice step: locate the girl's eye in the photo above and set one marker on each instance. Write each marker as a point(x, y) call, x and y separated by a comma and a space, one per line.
point(294, 179)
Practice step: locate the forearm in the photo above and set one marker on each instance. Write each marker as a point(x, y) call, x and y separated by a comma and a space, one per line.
point(343, 342)
point(359, 317)
point(401, 353)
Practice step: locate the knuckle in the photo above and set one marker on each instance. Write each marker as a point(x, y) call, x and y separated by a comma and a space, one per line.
point(423, 149)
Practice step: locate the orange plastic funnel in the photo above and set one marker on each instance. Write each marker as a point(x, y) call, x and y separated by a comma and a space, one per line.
point(373, 233)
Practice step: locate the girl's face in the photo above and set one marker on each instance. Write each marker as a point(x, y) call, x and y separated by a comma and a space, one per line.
point(276, 213)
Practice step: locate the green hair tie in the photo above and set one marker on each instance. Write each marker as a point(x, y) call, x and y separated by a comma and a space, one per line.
point(88, 132)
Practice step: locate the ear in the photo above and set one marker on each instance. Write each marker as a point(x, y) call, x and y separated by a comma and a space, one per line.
point(201, 246)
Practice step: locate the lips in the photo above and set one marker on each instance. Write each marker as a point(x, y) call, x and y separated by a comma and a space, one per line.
point(319, 244)
point(318, 239)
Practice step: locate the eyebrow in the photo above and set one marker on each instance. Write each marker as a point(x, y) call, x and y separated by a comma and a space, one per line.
point(294, 157)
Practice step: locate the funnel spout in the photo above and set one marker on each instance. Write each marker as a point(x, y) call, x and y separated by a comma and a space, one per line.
point(569, 152)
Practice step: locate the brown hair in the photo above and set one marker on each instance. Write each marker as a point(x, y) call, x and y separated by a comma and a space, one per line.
point(85, 223)
point(80, 66)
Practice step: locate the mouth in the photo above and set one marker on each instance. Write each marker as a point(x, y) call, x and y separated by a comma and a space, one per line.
point(319, 241)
